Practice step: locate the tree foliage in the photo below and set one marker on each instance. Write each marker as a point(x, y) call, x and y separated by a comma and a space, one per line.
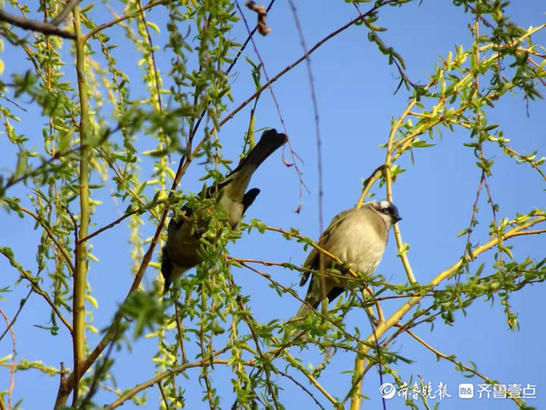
point(100, 133)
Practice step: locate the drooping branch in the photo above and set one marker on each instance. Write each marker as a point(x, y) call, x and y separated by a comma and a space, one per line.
point(35, 287)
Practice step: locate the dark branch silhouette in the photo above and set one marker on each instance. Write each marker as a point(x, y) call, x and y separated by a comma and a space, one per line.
point(44, 28)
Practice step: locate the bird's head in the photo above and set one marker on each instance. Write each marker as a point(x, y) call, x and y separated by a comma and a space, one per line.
point(388, 211)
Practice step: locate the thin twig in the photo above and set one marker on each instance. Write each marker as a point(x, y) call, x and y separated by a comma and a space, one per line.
point(60, 248)
point(12, 322)
point(36, 288)
point(163, 396)
point(36, 171)
point(99, 371)
point(179, 333)
point(123, 18)
point(310, 377)
point(250, 325)
point(110, 225)
point(293, 154)
point(14, 361)
point(318, 138)
point(319, 249)
point(524, 159)
point(121, 176)
point(468, 244)
point(301, 386)
point(168, 373)
point(64, 12)
point(403, 76)
point(402, 249)
point(290, 291)
point(204, 368)
point(152, 55)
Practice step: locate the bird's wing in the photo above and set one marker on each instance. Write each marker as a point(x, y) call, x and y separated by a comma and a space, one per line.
point(249, 198)
point(313, 259)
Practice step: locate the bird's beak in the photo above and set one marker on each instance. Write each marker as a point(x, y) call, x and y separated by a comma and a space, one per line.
point(397, 219)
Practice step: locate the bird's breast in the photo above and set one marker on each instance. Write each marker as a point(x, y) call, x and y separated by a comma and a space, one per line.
point(233, 209)
point(360, 245)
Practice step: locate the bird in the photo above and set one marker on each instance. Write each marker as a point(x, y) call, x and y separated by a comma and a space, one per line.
point(181, 250)
point(358, 237)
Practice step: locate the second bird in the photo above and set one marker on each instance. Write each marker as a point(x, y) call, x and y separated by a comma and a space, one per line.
point(358, 237)
point(181, 251)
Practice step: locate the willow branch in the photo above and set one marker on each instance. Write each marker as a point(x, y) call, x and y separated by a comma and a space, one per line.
point(368, 183)
point(38, 290)
point(123, 18)
point(80, 275)
point(157, 379)
point(61, 249)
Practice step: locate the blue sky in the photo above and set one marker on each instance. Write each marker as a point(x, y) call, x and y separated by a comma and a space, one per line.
point(354, 87)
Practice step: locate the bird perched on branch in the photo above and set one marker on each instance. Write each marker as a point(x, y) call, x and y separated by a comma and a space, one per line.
point(356, 236)
point(181, 251)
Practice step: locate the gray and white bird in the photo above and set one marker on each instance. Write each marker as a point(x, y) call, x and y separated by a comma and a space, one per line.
point(181, 251)
point(358, 237)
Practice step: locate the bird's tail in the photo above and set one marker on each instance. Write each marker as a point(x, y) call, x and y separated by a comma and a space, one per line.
point(166, 269)
point(237, 181)
point(312, 300)
point(302, 312)
point(315, 296)
point(270, 141)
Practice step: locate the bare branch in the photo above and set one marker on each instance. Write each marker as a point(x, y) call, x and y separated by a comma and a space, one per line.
point(33, 25)
point(110, 225)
